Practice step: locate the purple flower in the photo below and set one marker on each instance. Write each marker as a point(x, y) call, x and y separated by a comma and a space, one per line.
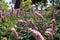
point(35, 34)
point(46, 25)
point(53, 25)
point(39, 15)
point(32, 9)
point(15, 34)
point(49, 34)
point(50, 30)
point(34, 26)
point(17, 12)
point(22, 22)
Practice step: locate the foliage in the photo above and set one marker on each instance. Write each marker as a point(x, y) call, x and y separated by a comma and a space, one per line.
point(26, 4)
point(3, 5)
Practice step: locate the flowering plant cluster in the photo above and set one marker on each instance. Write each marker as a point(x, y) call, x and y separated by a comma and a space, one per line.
point(12, 21)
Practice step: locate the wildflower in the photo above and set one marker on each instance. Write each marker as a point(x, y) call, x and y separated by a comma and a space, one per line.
point(53, 25)
point(34, 26)
point(49, 34)
point(22, 22)
point(17, 12)
point(46, 25)
point(15, 34)
point(32, 9)
point(35, 34)
point(50, 30)
point(39, 15)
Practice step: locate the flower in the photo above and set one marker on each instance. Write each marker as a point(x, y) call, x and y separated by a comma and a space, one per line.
point(17, 12)
point(46, 25)
point(53, 25)
point(39, 15)
point(49, 34)
point(32, 9)
point(35, 34)
point(34, 26)
point(15, 34)
point(22, 22)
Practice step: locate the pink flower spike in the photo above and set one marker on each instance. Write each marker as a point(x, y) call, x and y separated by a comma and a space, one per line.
point(39, 15)
point(50, 30)
point(32, 9)
point(15, 34)
point(34, 26)
point(22, 22)
point(36, 34)
point(53, 25)
point(49, 34)
point(17, 12)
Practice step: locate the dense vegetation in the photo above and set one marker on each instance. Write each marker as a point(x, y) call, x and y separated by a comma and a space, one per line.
point(27, 23)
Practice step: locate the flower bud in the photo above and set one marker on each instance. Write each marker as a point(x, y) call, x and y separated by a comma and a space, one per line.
point(37, 35)
point(15, 34)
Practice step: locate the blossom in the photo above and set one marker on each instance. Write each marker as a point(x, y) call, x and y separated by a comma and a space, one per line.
point(32, 9)
point(22, 22)
point(34, 26)
point(53, 25)
point(39, 15)
point(15, 34)
point(49, 34)
point(36, 34)
point(17, 12)
point(46, 25)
